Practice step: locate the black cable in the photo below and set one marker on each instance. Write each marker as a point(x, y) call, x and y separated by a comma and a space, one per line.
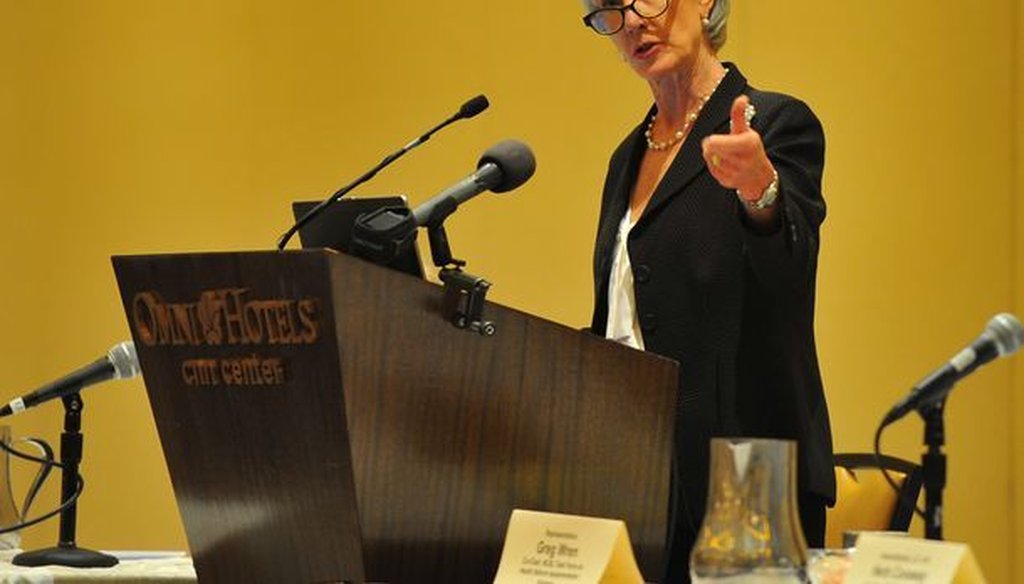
point(55, 512)
point(888, 478)
point(46, 447)
point(48, 464)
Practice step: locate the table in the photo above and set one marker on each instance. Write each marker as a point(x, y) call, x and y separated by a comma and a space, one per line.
point(135, 568)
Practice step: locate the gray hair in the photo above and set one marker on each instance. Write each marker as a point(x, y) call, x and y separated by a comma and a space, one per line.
point(717, 29)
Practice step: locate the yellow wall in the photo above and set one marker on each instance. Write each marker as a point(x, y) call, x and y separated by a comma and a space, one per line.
point(1017, 409)
point(131, 126)
point(919, 247)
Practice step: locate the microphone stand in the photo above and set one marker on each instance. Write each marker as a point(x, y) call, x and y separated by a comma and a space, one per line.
point(933, 467)
point(67, 553)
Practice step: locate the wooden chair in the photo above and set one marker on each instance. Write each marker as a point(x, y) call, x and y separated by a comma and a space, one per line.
point(865, 501)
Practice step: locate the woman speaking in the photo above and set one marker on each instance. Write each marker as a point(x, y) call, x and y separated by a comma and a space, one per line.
point(707, 249)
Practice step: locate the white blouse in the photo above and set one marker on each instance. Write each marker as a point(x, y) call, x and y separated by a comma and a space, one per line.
point(623, 324)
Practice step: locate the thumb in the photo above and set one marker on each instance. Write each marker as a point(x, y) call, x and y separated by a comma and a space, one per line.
point(738, 115)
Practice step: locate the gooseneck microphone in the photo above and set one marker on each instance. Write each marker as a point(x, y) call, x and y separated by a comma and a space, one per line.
point(121, 362)
point(1002, 337)
point(470, 109)
point(502, 168)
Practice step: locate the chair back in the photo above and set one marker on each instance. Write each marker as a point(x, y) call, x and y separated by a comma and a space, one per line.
point(865, 501)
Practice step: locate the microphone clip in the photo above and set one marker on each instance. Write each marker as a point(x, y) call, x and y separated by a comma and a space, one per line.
point(464, 293)
point(464, 298)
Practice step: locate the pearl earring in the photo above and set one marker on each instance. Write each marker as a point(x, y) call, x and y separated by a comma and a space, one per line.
point(706, 22)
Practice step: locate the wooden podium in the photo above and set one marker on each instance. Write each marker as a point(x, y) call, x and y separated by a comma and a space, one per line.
point(323, 422)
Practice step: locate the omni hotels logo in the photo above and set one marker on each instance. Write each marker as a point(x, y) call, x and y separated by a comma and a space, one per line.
point(227, 317)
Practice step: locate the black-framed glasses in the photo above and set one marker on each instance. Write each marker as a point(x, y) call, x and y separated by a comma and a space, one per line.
point(610, 20)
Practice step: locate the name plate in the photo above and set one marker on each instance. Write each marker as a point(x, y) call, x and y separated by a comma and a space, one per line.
point(882, 559)
point(549, 548)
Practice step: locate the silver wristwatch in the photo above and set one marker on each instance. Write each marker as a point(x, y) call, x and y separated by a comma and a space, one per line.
point(768, 196)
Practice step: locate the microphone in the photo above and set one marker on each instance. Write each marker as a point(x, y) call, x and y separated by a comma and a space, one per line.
point(1002, 337)
point(470, 109)
point(382, 235)
point(121, 362)
point(473, 107)
point(502, 168)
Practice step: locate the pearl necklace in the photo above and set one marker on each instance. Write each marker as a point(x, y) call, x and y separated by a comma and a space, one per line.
point(676, 138)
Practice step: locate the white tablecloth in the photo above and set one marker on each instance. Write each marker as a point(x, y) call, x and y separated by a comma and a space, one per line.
point(134, 568)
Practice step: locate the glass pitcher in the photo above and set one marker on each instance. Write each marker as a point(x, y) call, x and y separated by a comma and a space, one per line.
point(751, 530)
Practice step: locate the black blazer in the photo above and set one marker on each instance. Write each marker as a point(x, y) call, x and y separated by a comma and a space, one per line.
point(735, 307)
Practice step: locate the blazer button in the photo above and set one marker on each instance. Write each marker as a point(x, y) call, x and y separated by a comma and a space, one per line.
point(648, 322)
point(641, 273)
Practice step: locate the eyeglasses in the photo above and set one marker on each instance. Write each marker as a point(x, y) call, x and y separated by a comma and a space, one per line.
point(610, 20)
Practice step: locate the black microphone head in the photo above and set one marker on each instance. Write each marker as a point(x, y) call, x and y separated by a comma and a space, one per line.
point(125, 360)
point(1006, 332)
point(515, 160)
point(474, 107)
